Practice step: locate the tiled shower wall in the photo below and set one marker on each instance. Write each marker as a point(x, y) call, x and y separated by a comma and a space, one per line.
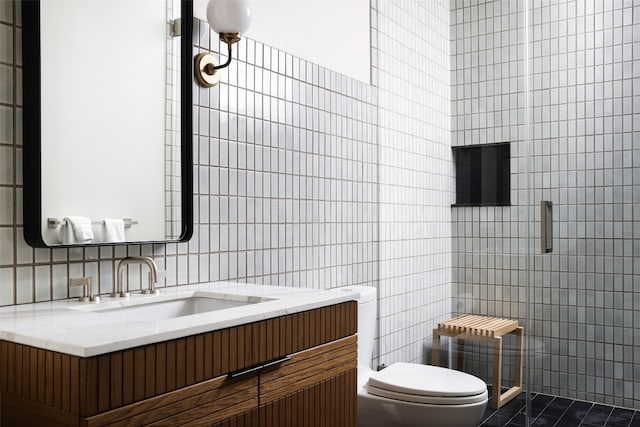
point(585, 306)
point(488, 101)
point(286, 179)
point(415, 174)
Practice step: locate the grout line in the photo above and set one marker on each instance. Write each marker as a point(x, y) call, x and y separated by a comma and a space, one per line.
point(565, 411)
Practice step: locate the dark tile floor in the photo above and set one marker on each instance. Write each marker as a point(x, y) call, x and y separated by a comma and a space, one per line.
point(560, 412)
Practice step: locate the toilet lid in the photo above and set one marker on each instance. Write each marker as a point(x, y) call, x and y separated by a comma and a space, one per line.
point(427, 384)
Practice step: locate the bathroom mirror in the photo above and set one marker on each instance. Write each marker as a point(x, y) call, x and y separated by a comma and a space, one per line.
point(107, 121)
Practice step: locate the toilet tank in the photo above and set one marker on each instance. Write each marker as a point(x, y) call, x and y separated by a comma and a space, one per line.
point(367, 314)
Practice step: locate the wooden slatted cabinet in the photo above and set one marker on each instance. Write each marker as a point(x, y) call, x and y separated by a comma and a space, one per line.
point(186, 382)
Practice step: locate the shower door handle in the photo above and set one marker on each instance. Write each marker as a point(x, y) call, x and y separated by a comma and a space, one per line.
point(546, 226)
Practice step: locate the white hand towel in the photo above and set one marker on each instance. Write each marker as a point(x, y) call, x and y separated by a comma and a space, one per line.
point(81, 227)
point(65, 233)
point(113, 230)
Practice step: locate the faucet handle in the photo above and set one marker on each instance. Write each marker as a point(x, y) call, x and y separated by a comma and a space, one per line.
point(152, 290)
point(87, 292)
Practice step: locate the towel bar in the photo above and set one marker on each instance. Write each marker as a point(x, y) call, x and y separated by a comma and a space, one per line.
point(55, 222)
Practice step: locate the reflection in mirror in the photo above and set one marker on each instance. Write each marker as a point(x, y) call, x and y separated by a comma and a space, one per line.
point(107, 121)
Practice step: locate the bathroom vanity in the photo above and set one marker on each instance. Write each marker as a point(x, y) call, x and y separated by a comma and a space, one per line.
point(281, 357)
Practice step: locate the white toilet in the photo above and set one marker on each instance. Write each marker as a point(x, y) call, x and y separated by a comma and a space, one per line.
point(409, 394)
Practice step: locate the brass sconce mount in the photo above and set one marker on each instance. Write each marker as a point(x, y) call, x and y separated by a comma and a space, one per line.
point(230, 38)
point(205, 65)
point(205, 70)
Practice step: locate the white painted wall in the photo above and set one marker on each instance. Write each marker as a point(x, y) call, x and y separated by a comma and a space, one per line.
point(331, 33)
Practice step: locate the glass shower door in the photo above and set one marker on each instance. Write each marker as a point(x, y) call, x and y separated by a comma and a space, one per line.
point(583, 160)
point(491, 240)
point(558, 81)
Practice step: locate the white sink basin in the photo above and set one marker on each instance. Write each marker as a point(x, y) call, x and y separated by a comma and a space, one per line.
point(152, 308)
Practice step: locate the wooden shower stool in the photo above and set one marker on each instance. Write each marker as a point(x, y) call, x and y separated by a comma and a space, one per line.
point(487, 329)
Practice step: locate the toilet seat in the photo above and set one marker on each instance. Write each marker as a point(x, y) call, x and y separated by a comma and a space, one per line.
point(410, 382)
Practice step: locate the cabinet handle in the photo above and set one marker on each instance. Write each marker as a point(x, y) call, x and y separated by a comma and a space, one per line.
point(244, 372)
point(256, 368)
point(276, 362)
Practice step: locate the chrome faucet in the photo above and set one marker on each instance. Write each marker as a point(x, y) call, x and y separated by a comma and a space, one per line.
point(153, 276)
point(87, 291)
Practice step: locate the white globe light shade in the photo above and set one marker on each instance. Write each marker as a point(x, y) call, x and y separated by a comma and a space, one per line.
point(229, 16)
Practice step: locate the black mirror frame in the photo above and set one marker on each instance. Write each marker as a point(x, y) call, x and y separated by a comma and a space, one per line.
point(32, 205)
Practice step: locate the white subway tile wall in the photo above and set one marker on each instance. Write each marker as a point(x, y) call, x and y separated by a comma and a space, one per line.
point(585, 304)
point(285, 178)
point(294, 193)
point(411, 68)
point(285, 173)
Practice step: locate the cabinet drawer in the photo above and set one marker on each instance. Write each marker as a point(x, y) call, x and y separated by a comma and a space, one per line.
point(330, 403)
point(309, 367)
point(202, 404)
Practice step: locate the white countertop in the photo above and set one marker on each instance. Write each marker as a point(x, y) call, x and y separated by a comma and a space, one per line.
point(67, 327)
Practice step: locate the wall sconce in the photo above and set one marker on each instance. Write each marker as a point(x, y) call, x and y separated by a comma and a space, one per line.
point(229, 18)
